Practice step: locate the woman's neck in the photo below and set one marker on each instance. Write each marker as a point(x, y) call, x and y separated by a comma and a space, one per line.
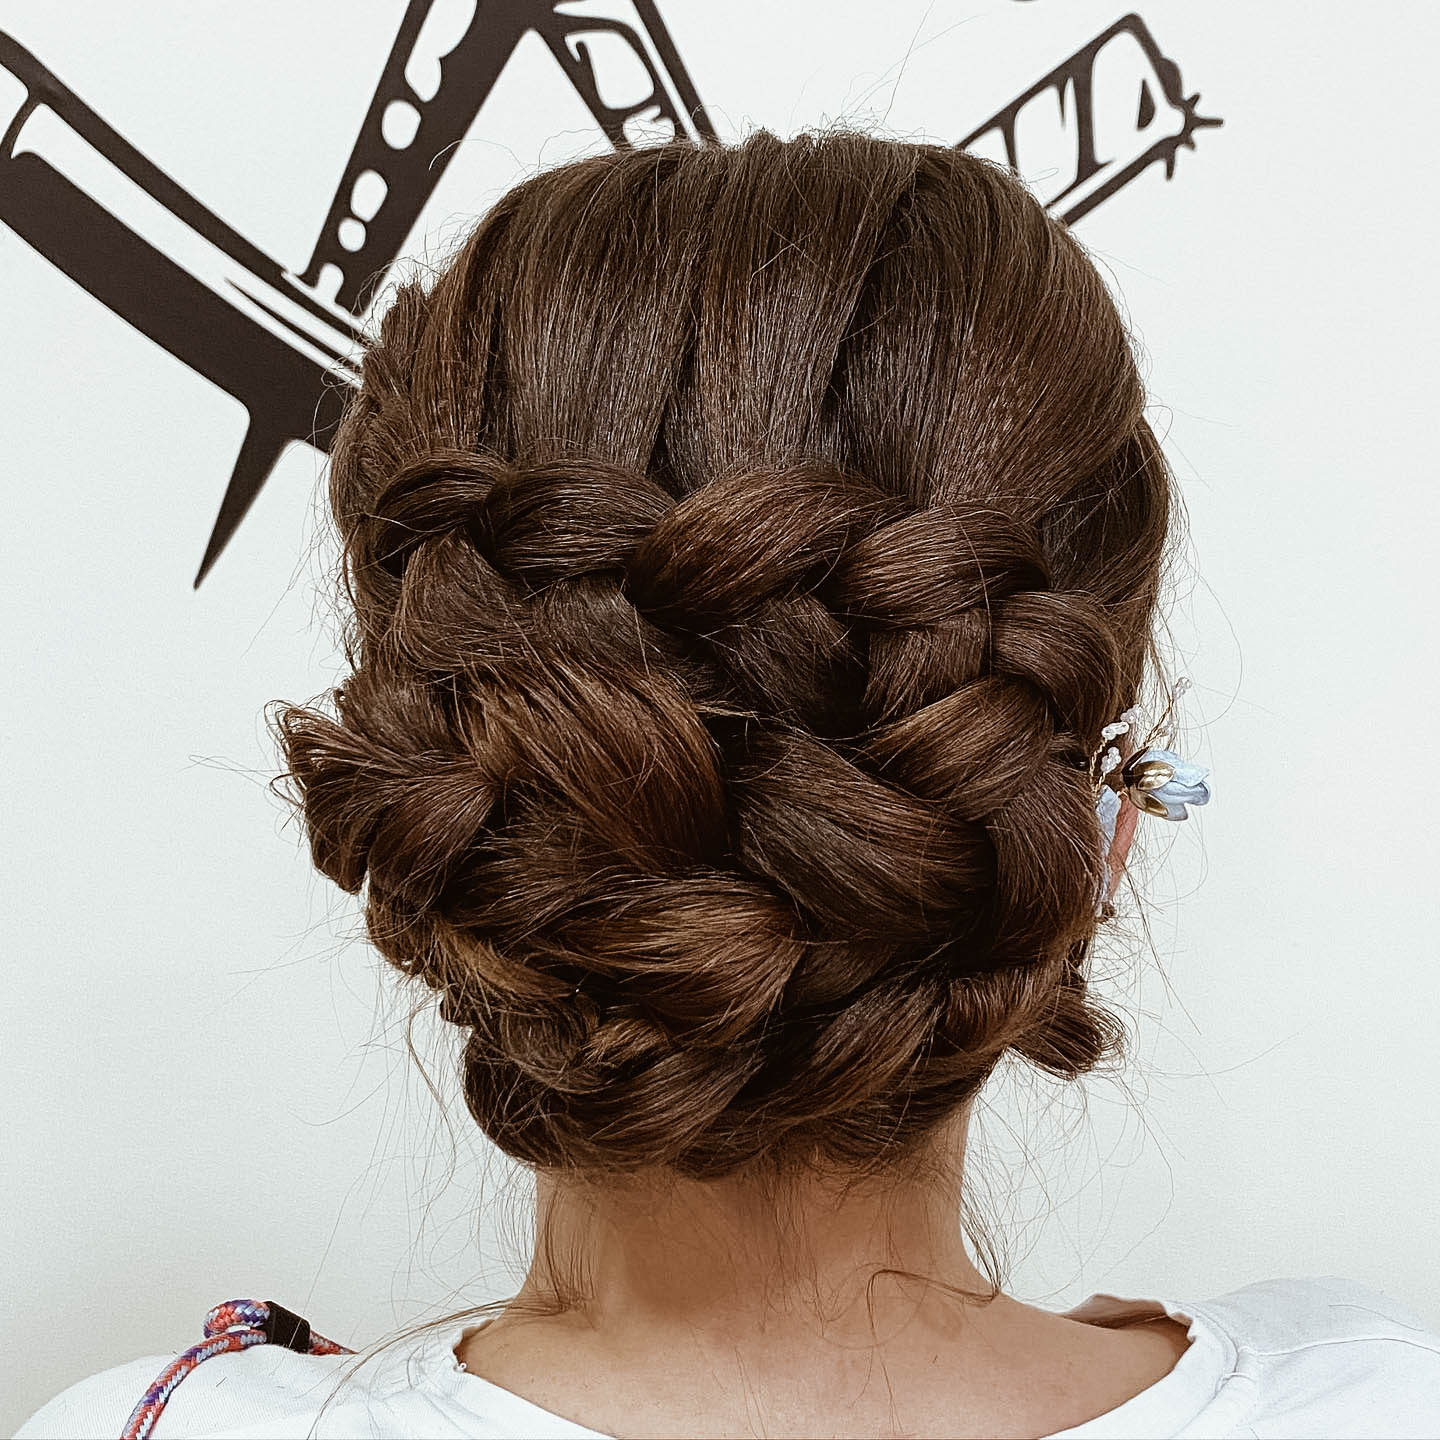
point(849, 1264)
point(705, 1309)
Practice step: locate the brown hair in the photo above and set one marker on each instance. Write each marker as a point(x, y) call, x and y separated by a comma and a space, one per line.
point(745, 545)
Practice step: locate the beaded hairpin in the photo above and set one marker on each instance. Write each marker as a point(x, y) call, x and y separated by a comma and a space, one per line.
point(1155, 780)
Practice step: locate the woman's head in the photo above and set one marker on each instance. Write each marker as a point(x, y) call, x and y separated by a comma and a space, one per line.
point(746, 546)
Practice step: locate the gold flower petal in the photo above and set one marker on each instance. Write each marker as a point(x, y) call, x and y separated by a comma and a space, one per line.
point(1150, 775)
point(1148, 803)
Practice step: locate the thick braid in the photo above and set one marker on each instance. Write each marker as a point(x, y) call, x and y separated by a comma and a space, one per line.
point(734, 797)
point(965, 799)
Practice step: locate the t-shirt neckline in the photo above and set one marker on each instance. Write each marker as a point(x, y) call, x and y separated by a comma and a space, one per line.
point(1168, 1407)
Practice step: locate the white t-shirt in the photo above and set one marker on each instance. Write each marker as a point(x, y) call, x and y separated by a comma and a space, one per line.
point(1288, 1358)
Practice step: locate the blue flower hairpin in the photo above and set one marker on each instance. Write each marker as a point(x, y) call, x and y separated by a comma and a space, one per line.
point(1154, 779)
point(1161, 783)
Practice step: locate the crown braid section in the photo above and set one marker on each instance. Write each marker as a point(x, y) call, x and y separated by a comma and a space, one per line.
point(724, 678)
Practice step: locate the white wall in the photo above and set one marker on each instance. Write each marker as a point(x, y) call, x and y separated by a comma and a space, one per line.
point(206, 1090)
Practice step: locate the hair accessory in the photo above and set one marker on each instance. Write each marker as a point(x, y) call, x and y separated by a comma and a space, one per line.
point(1154, 779)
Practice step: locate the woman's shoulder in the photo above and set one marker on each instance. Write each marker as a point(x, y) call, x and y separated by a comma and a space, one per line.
point(93, 1406)
point(1328, 1355)
point(1289, 1312)
point(267, 1390)
point(1286, 1356)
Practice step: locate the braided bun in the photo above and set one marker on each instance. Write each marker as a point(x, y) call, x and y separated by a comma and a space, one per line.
point(746, 547)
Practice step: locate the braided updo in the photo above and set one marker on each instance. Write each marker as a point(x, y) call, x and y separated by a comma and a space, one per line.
point(747, 544)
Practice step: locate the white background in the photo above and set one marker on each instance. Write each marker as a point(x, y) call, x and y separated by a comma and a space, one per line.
point(206, 1088)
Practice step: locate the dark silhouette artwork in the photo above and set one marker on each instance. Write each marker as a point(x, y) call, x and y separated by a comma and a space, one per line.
point(1146, 119)
point(285, 345)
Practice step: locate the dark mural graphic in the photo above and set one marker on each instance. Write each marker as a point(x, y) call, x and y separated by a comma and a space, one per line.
point(283, 344)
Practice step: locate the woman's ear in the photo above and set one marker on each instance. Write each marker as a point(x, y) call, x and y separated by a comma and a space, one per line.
point(1120, 846)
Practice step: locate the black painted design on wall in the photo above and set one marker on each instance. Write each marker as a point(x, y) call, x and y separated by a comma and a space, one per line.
point(283, 344)
point(1069, 93)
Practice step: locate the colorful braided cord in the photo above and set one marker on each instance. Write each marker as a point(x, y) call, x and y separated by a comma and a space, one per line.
point(234, 1325)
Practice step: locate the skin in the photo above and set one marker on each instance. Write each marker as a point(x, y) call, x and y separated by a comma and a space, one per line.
point(707, 1321)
